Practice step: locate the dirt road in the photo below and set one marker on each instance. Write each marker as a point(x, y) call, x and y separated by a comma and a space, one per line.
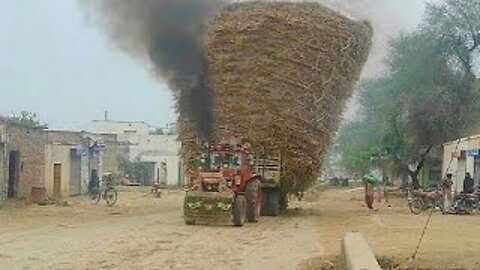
point(95, 237)
point(450, 241)
point(142, 232)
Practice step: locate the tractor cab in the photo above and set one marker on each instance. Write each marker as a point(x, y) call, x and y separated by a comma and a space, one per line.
point(223, 186)
point(224, 168)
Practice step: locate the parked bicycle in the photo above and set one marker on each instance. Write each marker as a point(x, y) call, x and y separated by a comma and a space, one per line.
point(419, 202)
point(106, 192)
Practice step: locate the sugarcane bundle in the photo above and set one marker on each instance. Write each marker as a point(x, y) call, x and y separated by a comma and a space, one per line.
point(281, 74)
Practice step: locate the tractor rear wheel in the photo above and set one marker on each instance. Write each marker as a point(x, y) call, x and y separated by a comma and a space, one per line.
point(271, 202)
point(239, 210)
point(253, 193)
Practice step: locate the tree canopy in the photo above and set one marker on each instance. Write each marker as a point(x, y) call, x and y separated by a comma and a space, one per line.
point(26, 118)
point(429, 95)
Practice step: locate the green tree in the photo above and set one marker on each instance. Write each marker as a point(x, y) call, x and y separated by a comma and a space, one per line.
point(26, 118)
point(158, 131)
point(455, 24)
point(430, 94)
point(140, 171)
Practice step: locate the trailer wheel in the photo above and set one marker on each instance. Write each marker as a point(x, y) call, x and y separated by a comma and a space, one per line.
point(271, 202)
point(239, 210)
point(254, 200)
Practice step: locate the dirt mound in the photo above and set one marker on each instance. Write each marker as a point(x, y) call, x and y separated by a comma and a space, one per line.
point(281, 74)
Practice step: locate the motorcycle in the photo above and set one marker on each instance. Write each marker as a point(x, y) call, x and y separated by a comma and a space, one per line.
point(156, 190)
point(465, 203)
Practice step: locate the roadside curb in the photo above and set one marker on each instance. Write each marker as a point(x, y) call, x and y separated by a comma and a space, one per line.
point(357, 254)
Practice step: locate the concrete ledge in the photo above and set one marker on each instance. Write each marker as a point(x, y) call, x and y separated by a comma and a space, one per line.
point(357, 253)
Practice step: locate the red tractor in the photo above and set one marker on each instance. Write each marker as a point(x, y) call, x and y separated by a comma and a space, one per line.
point(223, 186)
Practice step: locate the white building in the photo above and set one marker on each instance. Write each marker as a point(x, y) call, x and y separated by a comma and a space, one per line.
point(162, 150)
point(462, 156)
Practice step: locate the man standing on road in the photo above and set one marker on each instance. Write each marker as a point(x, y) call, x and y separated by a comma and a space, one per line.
point(468, 184)
point(94, 182)
point(447, 184)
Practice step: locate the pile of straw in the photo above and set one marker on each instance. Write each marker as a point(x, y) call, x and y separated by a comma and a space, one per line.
point(281, 74)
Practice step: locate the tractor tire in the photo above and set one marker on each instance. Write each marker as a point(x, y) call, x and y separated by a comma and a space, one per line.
point(188, 220)
point(239, 210)
point(271, 202)
point(253, 194)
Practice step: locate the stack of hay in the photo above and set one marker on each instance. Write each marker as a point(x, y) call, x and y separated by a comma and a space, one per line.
point(281, 74)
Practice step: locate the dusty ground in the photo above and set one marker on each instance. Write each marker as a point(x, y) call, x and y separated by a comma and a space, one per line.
point(450, 242)
point(142, 232)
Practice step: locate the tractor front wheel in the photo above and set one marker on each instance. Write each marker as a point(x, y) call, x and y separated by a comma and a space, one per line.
point(239, 210)
point(186, 214)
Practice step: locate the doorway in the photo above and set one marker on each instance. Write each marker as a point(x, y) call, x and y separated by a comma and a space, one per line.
point(57, 180)
point(13, 174)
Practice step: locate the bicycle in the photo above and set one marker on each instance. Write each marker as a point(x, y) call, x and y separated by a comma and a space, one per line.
point(419, 202)
point(108, 193)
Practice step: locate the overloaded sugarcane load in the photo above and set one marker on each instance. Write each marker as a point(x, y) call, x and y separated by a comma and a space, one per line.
point(280, 75)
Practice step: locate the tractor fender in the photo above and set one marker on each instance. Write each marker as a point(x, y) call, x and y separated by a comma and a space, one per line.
point(255, 177)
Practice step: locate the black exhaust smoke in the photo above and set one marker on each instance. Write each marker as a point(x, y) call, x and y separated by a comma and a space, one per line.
point(168, 34)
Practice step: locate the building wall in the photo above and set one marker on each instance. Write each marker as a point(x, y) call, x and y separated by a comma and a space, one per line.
point(3, 164)
point(83, 140)
point(3, 171)
point(57, 154)
point(144, 146)
point(459, 164)
point(158, 149)
point(30, 142)
point(114, 152)
point(66, 137)
point(126, 131)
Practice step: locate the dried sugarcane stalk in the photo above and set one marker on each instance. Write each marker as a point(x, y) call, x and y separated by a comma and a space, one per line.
point(281, 74)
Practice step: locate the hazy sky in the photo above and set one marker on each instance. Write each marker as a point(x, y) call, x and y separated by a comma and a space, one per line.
point(55, 62)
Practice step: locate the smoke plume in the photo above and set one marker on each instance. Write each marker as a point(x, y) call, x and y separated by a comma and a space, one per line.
point(169, 34)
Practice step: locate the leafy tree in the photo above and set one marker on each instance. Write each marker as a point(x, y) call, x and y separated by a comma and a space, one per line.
point(158, 131)
point(140, 171)
point(429, 96)
point(455, 24)
point(26, 118)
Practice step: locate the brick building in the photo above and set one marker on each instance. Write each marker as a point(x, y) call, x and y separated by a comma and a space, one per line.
point(23, 158)
point(71, 158)
point(59, 161)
